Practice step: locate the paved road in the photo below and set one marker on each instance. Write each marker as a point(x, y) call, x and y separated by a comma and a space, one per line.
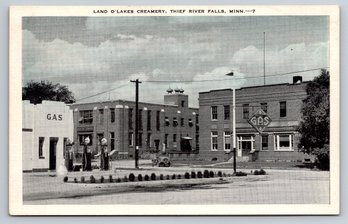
point(278, 187)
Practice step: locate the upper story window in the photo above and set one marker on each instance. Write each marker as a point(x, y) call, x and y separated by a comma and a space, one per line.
point(140, 119)
point(245, 111)
point(182, 103)
point(282, 110)
point(264, 107)
point(214, 115)
point(149, 120)
point(175, 122)
point(112, 115)
point(130, 118)
point(101, 116)
point(158, 124)
point(86, 117)
point(227, 112)
point(182, 122)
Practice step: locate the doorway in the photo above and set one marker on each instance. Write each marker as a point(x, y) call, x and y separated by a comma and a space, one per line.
point(157, 143)
point(53, 153)
point(246, 144)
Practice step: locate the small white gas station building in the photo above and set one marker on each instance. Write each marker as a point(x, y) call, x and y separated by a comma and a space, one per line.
point(45, 130)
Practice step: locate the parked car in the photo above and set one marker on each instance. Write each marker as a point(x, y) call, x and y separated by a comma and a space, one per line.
point(161, 161)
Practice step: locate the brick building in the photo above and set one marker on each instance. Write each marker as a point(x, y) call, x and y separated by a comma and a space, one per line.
point(281, 102)
point(170, 127)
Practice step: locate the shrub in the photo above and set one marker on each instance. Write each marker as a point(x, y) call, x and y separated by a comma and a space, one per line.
point(240, 174)
point(224, 174)
point(82, 179)
point(146, 177)
point(153, 176)
point(256, 172)
point(173, 177)
point(65, 179)
point(199, 174)
point(75, 180)
point(187, 175)
point(179, 176)
point(110, 179)
point(92, 179)
point(161, 177)
point(125, 179)
point(206, 174)
point(262, 172)
point(219, 174)
point(118, 180)
point(322, 157)
point(167, 177)
point(131, 177)
point(193, 174)
point(211, 174)
point(140, 177)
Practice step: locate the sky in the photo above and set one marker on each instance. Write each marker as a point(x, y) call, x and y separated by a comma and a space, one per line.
point(91, 55)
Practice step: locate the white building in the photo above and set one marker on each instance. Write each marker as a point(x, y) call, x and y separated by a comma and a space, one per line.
point(45, 129)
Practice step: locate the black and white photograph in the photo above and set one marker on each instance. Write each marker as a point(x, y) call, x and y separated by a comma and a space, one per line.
point(213, 110)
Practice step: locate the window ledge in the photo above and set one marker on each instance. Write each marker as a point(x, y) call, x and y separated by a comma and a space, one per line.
point(41, 157)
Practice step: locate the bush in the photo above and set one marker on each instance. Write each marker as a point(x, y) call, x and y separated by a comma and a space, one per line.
point(75, 180)
point(82, 179)
point(224, 174)
point(206, 174)
point(262, 172)
point(110, 179)
point(256, 172)
point(146, 178)
point(187, 175)
point(240, 174)
point(65, 179)
point(199, 174)
point(131, 177)
point(153, 176)
point(211, 174)
point(179, 176)
point(173, 177)
point(193, 174)
point(219, 174)
point(322, 157)
point(167, 177)
point(118, 180)
point(125, 179)
point(92, 179)
point(140, 177)
point(101, 179)
point(161, 177)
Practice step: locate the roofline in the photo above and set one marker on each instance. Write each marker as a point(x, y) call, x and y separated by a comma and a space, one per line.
point(250, 87)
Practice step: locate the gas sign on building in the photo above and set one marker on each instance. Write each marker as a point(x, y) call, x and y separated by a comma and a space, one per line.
point(260, 120)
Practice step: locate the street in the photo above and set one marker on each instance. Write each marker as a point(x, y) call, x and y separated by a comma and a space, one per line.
point(295, 186)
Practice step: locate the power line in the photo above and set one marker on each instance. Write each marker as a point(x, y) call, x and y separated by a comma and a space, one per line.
point(102, 92)
point(248, 77)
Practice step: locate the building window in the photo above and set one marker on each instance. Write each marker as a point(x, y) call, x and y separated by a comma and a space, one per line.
point(82, 138)
point(101, 116)
point(214, 141)
point(41, 143)
point(182, 122)
point(227, 140)
point(148, 140)
point(190, 122)
point(112, 115)
point(174, 137)
point(166, 140)
point(214, 115)
point(140, 119)
point(158, 124)
point(175, 122)
point(182, 103)
point(166, 119)
point(282, 109)
point(130, 118)
point(130, 139)
point(197, 119)
point(112, 141)
point(140, 139)
point(245, 111)
point(197, 142)
point(86, 117)
point(284, 142)
point(264, 107)
point(264, 141)
point(149, 120)
point(227, 112)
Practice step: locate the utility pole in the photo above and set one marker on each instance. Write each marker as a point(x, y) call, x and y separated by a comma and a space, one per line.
point(264, 58)
point(136, 149)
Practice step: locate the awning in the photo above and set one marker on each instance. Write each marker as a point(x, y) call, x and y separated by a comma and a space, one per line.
point(187, 138)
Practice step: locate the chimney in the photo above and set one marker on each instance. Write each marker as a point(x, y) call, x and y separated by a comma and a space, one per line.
point(296, 79)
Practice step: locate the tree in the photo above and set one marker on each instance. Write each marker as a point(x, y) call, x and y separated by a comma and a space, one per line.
point(36, 92)
point(315, 125)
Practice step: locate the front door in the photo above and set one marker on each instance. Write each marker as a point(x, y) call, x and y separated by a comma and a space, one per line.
point(53, 151)
point(245, 144)
point(157, 142)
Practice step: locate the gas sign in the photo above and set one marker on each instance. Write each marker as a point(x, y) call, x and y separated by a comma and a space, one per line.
point(260, 120)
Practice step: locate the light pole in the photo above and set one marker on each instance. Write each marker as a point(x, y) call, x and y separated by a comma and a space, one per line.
point(234, 125)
